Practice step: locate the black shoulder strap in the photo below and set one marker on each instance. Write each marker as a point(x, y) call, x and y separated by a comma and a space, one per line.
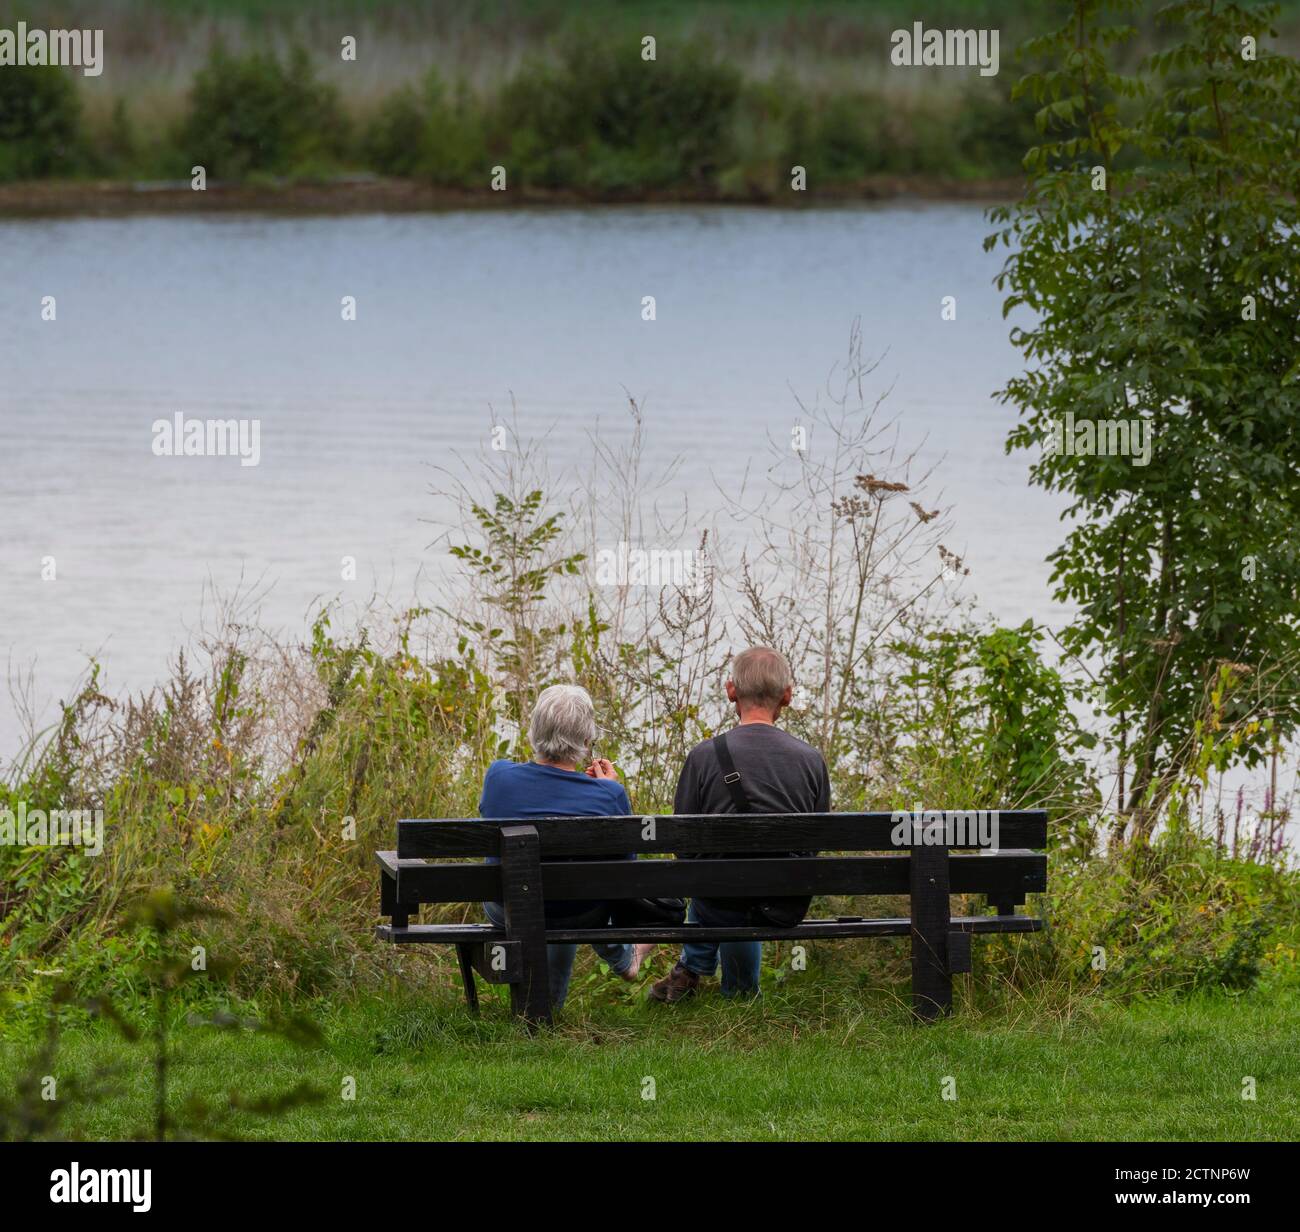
point(730, 775)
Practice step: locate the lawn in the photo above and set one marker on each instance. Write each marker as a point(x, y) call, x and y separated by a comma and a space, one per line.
point(808, 1063)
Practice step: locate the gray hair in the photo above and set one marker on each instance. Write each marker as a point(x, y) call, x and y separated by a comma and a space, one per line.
point(761, 675)
point(563, 723)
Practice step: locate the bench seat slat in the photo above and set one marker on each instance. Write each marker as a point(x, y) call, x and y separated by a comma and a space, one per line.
point(1004, 874)
point(608, 836)
point(809, 930)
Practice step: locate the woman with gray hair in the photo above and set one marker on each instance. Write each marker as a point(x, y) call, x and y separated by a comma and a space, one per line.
point(562, 730)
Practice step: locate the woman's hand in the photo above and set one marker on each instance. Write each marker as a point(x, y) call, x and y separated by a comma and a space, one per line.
point(601, 768)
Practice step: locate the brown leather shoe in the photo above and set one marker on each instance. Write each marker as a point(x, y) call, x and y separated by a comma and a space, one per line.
point(677, 985)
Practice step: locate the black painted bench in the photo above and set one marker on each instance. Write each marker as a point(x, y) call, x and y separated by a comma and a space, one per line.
point(422, 870)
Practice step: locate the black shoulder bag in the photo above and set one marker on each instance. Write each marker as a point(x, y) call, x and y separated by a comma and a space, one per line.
point(643, 912)
point(640, 912)
point(780, 912)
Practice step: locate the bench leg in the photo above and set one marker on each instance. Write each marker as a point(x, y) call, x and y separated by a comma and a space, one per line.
point(389, 906)
point(463, 953)
point(521, 895)
point(931, 977)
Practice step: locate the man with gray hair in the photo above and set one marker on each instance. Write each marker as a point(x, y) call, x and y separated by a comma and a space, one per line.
point(753, 768)
point(562, 730)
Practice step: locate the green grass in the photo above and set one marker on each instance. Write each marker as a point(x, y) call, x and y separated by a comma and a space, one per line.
point(812, 1061)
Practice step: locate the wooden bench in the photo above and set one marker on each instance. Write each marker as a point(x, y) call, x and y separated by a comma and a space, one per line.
point(421, 871)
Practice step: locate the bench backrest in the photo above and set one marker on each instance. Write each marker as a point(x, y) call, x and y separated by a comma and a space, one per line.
point(985, 853)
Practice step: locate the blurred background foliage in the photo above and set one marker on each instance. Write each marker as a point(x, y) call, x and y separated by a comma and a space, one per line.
point(558, 93)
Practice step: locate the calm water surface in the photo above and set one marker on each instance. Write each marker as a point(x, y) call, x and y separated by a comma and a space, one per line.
point(239, 316)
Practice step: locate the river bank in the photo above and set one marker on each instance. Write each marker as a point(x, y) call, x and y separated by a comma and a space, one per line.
point(365, 194)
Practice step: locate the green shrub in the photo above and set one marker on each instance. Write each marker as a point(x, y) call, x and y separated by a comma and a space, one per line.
point(455, 140)
point(255, 114)
point(762, 147)
point(844, 140)
point(983, 709)
point(605, 120)
point(424, 133)
point(40, 122)
point(1176, 916)
point(993, 132)
point(394, 139)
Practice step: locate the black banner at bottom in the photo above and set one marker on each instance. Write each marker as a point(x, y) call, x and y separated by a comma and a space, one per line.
point(402, 1180)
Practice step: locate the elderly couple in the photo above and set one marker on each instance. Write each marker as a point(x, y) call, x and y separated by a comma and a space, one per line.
point(779, 774)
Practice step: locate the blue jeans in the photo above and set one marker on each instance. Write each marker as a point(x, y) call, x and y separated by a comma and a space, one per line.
point(740, 959)
point(559, 958)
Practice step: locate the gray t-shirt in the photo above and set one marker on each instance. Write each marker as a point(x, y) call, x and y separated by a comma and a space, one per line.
point(779, 772)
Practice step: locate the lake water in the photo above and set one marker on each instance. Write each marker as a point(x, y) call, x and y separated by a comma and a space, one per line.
point(239, 317)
